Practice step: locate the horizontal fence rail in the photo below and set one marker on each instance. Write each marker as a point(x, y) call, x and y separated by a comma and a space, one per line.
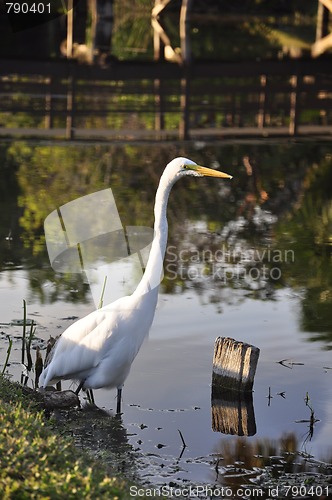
point(160, 101)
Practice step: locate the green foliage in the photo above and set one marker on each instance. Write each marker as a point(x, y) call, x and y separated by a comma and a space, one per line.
point(307, 229)
point(35, 463)
point(132, 34)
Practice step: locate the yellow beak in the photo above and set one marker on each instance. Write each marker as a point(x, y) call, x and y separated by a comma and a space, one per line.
point(209, 172)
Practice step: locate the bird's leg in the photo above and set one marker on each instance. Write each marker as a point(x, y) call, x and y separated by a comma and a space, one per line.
point(79, 387)
point(118, 400)
point(90, 395)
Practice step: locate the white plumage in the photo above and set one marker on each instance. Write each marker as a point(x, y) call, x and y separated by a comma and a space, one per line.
point(98, 350)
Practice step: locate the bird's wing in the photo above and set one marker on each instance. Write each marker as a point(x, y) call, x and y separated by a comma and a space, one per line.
point(82, 327)
point(82, 345)
point(74, 355)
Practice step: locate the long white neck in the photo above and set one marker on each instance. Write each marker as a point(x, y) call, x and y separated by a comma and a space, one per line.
point(154, 269)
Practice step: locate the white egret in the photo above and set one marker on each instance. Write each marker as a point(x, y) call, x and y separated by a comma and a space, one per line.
point(98, 350)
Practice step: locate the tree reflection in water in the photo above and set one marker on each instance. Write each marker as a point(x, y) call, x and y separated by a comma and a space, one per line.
point(267, 462)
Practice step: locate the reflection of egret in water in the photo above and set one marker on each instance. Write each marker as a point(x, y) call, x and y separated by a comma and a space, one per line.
point(98, 350)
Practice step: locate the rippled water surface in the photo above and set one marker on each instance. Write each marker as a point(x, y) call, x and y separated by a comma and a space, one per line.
point(252, 262)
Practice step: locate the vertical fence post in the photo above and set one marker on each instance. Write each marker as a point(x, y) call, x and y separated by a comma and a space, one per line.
point(262, 102)
point(70, 26)
point(184, 108)
point(322, 23)
point(159, 119)
point(323, 38)
point(184, 31)
point(48, 103)
point(294, 105)
point(70, 122)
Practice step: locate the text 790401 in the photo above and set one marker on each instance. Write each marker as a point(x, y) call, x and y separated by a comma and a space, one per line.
point(25, 8)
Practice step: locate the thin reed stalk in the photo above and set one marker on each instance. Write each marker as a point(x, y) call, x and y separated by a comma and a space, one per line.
point(28, 345)
point(8, 354)
point(24, 330)
point(101, 300)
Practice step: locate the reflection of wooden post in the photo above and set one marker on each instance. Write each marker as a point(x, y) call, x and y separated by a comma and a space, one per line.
point(234, 365)
point(233, 413)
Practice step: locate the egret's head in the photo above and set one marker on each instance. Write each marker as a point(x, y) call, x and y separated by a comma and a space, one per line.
point(179, 167)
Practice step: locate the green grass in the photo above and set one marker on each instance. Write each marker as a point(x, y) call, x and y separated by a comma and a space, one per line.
point(36, 463)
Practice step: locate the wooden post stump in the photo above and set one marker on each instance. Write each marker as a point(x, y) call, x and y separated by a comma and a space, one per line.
point(234, 365)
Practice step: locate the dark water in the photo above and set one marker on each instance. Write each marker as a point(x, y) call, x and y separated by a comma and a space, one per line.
point(248, 259)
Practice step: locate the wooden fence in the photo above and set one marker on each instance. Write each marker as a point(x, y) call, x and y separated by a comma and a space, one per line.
point(164, 101)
